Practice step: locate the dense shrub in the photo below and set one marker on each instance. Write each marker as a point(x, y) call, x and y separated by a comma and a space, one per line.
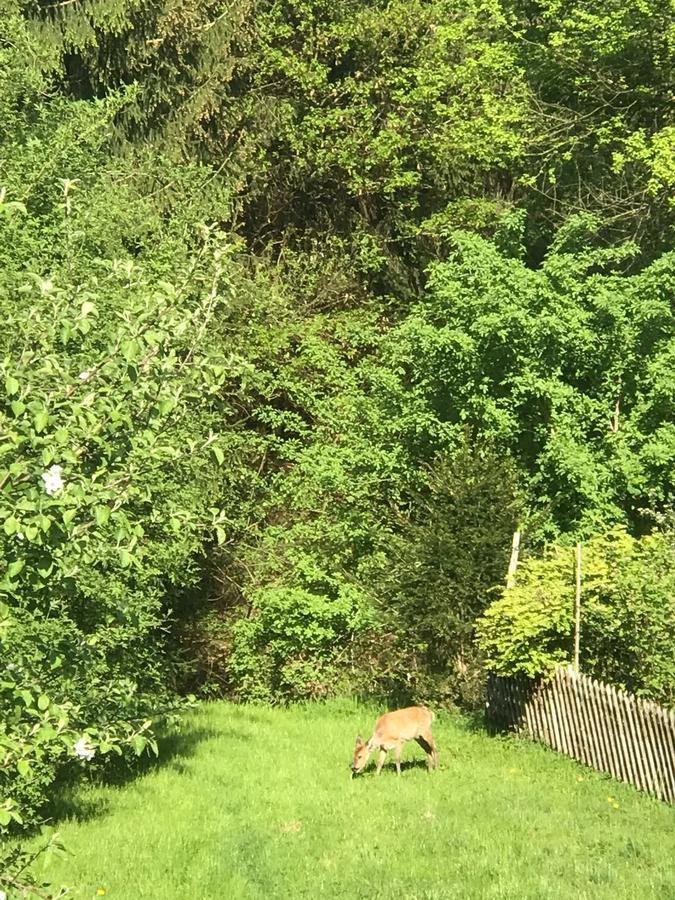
point(445, 560)
point(110, 467)
point(627, 614)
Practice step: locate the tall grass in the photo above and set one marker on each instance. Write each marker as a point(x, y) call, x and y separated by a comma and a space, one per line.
point(252, 802)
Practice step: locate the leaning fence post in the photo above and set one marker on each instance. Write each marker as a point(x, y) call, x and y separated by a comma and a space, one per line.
point(513, 562)
point(577, 609)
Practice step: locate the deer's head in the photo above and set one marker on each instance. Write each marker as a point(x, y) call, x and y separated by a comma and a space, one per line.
point(361, 754)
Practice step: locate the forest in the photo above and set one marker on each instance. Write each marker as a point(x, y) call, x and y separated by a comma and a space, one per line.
point(307, 307)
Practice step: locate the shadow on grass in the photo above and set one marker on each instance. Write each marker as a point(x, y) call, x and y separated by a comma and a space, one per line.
point(390, 768)
point(71, 799)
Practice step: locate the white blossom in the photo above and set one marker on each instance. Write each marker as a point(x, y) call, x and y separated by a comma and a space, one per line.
point(3, 895)
point(84, 375)
point(52, 479)
point(84, 750)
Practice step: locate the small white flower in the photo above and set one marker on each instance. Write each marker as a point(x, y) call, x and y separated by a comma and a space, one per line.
point(84, 750)
point(3, 895)
point(83, 375)
point(52, 479)
point(19, 537)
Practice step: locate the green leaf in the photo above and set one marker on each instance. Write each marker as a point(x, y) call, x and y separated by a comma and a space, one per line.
point(23, 768)
point(18, 407)
point(125, 559)
point(11, 385)
point(45, 734)
point(87, 308)
point(5, 817)
point(102, 514)
point(69, 515)
point(221, 534)
point(14, 568)
point(43, 702)
point(41, 420)
point(218, 453)
point(139, 743)
point(165, 406)
point(11, 525)
point(130, 350)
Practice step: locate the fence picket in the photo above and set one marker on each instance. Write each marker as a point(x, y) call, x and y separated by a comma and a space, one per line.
point(600, 725)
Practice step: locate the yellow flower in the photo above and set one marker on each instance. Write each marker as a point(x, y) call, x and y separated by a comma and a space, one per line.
point(100, 892)
point(580, 777)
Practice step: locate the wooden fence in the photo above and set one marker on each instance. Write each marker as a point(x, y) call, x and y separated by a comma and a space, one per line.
point(606, 728)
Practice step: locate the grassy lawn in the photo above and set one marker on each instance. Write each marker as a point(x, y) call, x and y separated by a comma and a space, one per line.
point(250, 802)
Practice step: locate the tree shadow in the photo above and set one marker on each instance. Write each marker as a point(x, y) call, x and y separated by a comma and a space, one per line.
point(71, 800)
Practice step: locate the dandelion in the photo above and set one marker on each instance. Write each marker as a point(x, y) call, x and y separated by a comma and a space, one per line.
point(84, 375)
point(52, 479)
point(100, 892)
point(84, 750)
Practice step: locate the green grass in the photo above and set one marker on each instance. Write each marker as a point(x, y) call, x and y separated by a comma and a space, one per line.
point(251, 802)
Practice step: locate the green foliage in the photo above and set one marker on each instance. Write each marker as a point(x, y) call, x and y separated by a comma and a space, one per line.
point(291, 644)
point(602, 114)
point(444, 562)
point(627, 614)
point(110, 468)
point(108, 473)
point(549, 366)
point(17, 870)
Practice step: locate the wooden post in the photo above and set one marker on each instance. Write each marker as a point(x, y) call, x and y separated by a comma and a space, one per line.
point(577, 610)
point(513, 562)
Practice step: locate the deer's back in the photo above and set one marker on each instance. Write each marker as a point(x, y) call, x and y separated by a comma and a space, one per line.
point(402, 725)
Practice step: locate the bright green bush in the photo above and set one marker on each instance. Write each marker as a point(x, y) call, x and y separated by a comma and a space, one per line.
point(293, 643)
point(627, 614)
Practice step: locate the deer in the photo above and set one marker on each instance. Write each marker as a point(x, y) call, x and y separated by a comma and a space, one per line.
point(391, 731)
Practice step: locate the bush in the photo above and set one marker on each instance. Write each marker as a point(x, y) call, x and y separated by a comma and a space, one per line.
point(444, 562)
point(627, 614)
point(110, 466)
point(294, 644)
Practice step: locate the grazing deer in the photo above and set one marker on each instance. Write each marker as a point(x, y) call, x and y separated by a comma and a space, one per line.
point(392, 730)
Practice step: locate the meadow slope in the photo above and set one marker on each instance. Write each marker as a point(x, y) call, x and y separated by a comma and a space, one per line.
point(251, 802)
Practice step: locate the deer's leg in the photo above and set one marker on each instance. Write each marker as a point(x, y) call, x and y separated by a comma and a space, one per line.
point(427, 749)
point(380, 760)
point(434, 748)
point(398, 758)
point(427, 743)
